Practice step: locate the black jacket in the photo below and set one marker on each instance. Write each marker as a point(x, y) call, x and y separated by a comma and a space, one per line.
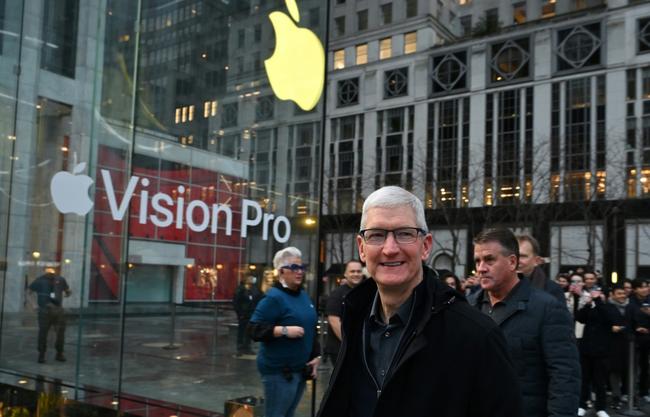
point(452, 362)
point(539, 332)
point(539, 280)
point(597, 337)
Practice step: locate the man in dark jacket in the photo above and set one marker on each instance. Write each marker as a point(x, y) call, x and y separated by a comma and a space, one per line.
point(594, 347)
point(334, 309)
point(538, 329)
point(640, 326)
point(530, 266)
point(50, 288)
point(246, 298)
point(412, 346)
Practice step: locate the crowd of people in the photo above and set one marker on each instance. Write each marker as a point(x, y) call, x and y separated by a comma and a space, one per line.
point(606, 321)
point(411, 340)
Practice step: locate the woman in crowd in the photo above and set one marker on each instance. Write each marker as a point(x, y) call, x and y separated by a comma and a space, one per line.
point(285, 322)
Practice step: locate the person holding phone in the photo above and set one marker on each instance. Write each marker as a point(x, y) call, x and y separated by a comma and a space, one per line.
point(594, 348)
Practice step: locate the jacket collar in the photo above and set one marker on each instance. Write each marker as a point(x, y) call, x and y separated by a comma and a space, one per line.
point(517, 299)
point(436, 297)
point(287, 290)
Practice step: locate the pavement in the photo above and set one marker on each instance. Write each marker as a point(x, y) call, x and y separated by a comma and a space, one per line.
point(197, 367)
point(193, 368)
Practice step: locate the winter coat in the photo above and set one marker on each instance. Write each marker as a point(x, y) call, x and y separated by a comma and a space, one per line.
point(539, 333)
point(452, 362)
point(597, 337)
point(539, 280)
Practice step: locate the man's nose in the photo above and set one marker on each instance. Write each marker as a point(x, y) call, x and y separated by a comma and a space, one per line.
point(390, 244)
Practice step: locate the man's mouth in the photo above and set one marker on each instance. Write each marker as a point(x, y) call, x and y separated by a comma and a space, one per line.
point(398, 263)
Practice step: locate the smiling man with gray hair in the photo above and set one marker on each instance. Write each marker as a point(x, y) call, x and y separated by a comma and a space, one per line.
point(412, 345)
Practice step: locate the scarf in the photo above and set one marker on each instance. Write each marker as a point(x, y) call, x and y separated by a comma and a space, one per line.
point(619, 306)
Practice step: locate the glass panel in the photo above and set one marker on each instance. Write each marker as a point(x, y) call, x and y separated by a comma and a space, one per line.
point(155, 179)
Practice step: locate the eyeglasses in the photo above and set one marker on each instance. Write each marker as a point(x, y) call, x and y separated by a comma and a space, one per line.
point(295, 267)
point(404, 235)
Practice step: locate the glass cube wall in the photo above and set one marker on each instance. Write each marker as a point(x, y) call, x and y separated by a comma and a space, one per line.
point(146, 156)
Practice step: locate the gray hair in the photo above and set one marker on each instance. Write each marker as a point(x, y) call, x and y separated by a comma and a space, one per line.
point(394, 197)
point(281, 256)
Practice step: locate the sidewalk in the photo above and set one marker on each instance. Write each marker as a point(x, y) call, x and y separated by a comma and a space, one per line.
point(195, 366)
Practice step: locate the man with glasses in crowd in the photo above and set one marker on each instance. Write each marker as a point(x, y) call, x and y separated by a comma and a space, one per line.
point(412, 345)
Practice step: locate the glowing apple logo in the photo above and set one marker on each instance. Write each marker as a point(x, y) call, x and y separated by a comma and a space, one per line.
point(296, 69)
point(70, 191)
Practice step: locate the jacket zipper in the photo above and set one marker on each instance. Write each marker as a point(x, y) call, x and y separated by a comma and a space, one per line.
point(365, 361)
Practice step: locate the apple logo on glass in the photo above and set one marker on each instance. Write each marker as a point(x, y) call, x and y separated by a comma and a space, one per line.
point(70, 191)
point(296, 70)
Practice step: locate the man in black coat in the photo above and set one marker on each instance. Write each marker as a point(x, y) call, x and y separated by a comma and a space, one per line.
point(538, 328)
point(640, 326)
point(412, 346)
point(246, 298)
point(594, 347)
point(353, 275)
point(530, 266)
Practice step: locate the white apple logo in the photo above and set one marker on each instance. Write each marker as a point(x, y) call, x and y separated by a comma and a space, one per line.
point(296, 70)
point(70, 191)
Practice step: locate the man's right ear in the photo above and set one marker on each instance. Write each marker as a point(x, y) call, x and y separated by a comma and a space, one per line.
point(362, 254)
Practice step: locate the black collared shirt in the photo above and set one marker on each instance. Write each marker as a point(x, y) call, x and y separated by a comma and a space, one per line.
point(382, 340)
point(498, 311)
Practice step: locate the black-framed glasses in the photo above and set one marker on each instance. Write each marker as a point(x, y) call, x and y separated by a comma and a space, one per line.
point(404, 235)
point(295, 267)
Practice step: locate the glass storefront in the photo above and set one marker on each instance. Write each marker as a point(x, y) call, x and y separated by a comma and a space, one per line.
point(155, 155)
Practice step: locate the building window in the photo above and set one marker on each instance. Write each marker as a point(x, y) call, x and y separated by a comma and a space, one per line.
point(386, 13)
point(339, 59)
point(510, 60)
point(241, 37)
point(59, 46)
point(447, 167)
point(229, 115)
point(346, 165)
point(264, 108)
point(638, 133)
point(466, 25)
point(339, 25)
point(394, 148)
point(385, 48)
point(362, 20)
point(449, 72)
point(410, 42)
point(492, 18)
point(362, 54)
point(578, 155)
point(548, 9)
point(348, 92)
point(505, 145)
point(578, 47)
point(396, 83)
point(257, 33)
point(314, 17)
point(519, 12)
point(644, 35)
point(411, 8)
